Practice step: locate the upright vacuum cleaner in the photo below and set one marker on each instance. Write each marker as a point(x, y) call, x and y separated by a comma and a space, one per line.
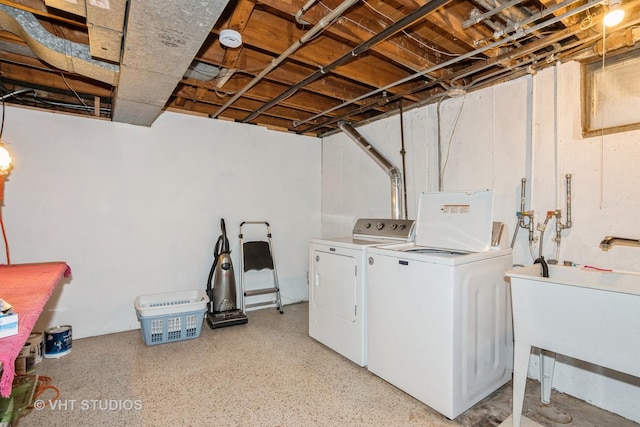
point(221, 287)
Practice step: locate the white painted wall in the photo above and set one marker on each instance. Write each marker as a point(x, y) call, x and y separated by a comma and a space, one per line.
point(492, 138)
point(136, 210)
point(355, 187)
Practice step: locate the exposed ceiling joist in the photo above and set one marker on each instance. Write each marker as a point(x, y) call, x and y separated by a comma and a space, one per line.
point(128, 61)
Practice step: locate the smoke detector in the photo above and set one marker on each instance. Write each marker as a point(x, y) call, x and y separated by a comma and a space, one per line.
point(230, 38)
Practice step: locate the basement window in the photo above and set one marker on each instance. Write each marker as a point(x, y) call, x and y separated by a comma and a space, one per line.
point(611, 95)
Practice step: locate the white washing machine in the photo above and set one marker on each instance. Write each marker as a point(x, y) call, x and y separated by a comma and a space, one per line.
point(439, 310)
point(337, 284)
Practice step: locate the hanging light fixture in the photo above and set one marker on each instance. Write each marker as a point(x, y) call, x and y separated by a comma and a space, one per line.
point(5, 166)
point(5, 160)
point(615, 14)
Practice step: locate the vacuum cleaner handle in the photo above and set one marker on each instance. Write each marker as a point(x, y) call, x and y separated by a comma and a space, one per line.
point(212, 271)
point(222, 246)
point(225, 241)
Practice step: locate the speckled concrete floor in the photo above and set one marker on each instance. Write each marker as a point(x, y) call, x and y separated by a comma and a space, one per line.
point(265, 373)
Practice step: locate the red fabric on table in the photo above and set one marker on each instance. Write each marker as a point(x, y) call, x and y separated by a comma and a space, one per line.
point(27, 287)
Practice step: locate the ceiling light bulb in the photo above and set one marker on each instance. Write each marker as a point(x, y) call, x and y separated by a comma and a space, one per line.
point(615, 14)
point(5, 160)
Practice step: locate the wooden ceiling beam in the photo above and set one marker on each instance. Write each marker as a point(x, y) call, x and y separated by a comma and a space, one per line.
point(273, 34)
point(357, 26)
point(48, 78)
point(268, 91)
point(237, 22)
point(292, 72)
point(230, 114)
point(303, 101)
point(450, 19)
point(40, 10)
point(322, 51)
point(290, 113)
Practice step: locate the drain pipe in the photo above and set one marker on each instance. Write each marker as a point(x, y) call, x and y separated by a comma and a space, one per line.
point(403, 153)
point(393, 172)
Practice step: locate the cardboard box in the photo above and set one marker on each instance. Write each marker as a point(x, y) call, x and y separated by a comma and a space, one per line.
point(8, 325)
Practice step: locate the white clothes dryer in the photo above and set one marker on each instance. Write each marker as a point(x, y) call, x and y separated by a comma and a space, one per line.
point(337, 284)
point(439, 310)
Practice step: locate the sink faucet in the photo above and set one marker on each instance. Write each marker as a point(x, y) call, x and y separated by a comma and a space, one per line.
point(610, 241)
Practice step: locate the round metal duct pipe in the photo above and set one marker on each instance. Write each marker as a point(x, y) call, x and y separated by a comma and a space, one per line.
point(393, 172)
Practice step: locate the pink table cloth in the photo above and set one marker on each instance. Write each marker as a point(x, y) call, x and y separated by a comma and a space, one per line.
point(27, 287)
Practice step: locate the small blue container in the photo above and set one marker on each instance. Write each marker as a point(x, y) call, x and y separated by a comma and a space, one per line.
point(57, 341)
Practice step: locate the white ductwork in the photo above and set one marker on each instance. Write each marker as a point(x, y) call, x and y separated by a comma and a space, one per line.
point(393, 172)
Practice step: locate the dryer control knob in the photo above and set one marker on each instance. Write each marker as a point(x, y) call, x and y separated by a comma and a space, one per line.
point(380, 225)
point(403, 226)
point(394, 226)
point(367, 225)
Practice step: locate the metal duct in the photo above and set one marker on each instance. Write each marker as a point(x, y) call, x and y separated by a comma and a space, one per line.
point(161, 40)
point(202, 71)
point(393, 172)
point(61, 53)
point(105, 24)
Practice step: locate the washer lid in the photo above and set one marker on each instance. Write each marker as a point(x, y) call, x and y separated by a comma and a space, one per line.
point(458, 221)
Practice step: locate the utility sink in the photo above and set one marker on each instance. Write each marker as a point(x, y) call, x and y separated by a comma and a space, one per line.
point(581, 312)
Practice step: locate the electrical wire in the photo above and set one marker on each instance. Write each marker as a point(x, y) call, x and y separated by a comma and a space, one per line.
point(407, 34)
point(330, 23)
point(604, 54)
point(398, 46)
point(2, 124)
point(251, 70)
point(85, 108)
point(4, 233)
point(439, 136)
point(443, 167)
point(44, 384)
point(75, 93)
point(222, 93)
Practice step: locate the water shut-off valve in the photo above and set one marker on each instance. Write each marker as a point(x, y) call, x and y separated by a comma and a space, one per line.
point(526, 218)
